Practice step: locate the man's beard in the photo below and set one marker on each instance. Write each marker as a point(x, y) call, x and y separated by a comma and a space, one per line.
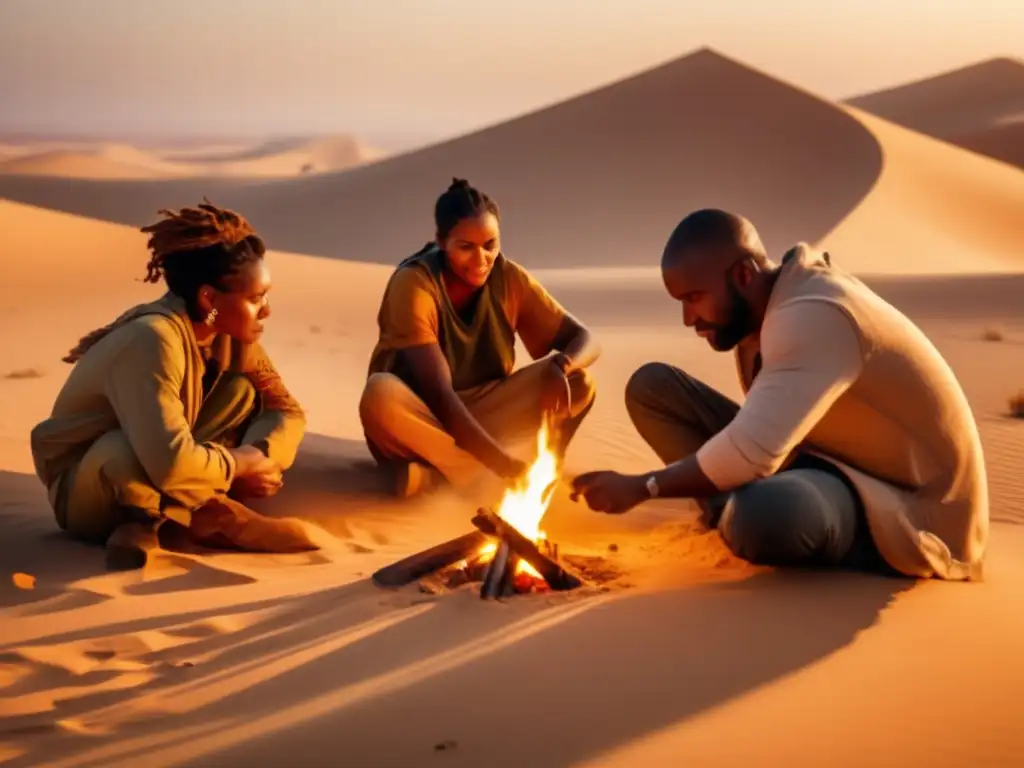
point(740, 324)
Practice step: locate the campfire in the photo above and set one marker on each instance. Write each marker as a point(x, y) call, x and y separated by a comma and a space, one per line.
point(508, 552)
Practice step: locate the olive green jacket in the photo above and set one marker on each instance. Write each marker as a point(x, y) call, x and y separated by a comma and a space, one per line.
point(143, 374)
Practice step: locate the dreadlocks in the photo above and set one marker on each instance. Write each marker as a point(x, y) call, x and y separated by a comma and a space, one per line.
point(193, 247)
point(197, 246)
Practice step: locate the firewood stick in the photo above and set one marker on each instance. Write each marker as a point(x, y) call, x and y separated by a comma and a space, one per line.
point(508, 584)
point(494, 579)
point(557, 577)
point(409, 569)
point(484, 523)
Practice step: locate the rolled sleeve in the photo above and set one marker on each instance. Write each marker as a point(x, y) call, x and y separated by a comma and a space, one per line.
point(408, 316)
point(811, 354)
point(536, 314)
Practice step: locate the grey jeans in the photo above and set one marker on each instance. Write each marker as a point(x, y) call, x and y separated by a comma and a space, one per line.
point(806, 514)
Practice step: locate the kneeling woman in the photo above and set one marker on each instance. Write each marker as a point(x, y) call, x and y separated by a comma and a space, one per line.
point(442, 400)
point(175, 405)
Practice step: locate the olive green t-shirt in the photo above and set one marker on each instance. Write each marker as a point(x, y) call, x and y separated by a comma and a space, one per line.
point(416, 310)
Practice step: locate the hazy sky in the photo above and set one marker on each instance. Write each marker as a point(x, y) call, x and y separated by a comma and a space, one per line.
point(394, 70)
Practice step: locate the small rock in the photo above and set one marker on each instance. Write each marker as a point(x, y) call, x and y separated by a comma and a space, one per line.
point(613, 547)
point(23, 580)
point(428, 588)
point(446, 744)
point(456, 578)
point(25, 373)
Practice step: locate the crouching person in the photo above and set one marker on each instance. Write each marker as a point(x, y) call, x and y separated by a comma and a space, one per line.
point(174, 411)
point(854, 446)
point(442, 403)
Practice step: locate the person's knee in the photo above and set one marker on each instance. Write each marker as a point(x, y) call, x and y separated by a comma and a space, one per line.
point(108, 477)
point(774, 521)
point(583, 388)
point(647, 385)
point(381, 400)
point(240, 392)
point(227, 410)
point(115, 458)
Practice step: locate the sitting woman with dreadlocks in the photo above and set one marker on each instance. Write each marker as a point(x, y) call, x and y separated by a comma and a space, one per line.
point(173, 411)
point(442, 400)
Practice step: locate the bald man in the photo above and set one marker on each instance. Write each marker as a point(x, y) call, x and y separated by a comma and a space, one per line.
point(854, 445)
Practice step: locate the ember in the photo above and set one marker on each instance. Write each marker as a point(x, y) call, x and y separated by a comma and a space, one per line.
point(508, 553)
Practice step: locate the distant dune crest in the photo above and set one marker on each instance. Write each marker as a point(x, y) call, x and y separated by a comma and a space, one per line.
point(281, 158)
point(600, 179)
point(979, 107)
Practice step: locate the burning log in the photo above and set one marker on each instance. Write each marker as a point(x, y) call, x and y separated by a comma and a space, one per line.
point(441, 556)
point(498, 577)
point(495, 554)
point(557, 577)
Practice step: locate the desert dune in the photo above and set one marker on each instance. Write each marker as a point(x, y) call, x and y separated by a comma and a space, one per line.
point(284, 157)
point(978, 107)
point(225, 659)
point(1003, 141)
point(105, 161)
point(593, 181)
point(82, 164)
point(598, 180)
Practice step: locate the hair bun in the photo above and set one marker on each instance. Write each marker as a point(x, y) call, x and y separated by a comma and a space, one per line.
point(460, 201)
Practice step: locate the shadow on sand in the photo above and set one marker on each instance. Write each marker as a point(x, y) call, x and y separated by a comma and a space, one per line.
point(610, 672)
point(332, 480)
point(32, 544)
point(379, 677)
point(383, 678)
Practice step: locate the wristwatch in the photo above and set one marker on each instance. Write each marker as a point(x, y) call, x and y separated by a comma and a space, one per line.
point(652, 486)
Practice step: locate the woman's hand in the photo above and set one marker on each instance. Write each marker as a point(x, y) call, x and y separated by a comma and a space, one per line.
point(255, 475)
point(556, 394)
point(510, 468)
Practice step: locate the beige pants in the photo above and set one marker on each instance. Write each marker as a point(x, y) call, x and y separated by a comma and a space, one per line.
point(400, 427)
point(109, 483)
point(807, 513)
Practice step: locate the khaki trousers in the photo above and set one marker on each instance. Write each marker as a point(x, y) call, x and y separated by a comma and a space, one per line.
point(806, 514)
point(400, 427)
point(109, 485)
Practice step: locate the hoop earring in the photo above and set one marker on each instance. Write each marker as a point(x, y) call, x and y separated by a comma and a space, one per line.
point(211, 318)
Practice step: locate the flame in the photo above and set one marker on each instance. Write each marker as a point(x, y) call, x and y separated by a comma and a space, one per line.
point(524, 507)
point(524, 567)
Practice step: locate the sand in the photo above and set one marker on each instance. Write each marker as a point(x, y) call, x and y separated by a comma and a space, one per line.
point(1003, 141)
point(979, 107)
point(690, 656)
point(105, 161)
